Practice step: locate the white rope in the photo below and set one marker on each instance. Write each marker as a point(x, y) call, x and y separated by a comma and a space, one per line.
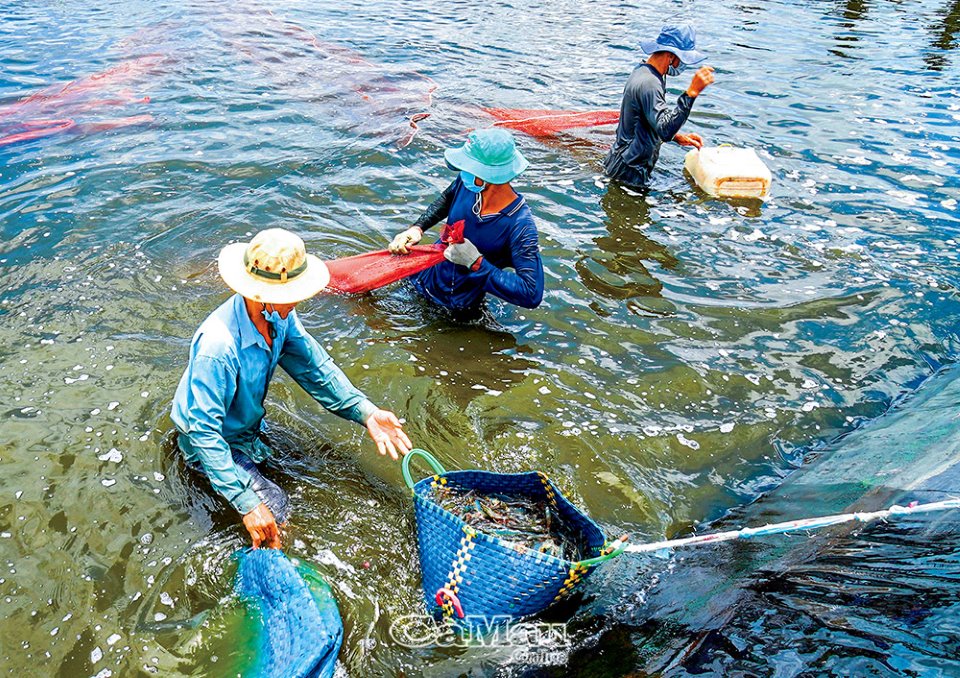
point(796, 525)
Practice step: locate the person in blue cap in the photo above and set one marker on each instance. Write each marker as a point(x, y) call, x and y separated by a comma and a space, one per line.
point(499, 231)
point(646, 122)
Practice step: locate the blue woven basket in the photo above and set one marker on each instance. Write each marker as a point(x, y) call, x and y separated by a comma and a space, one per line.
point(471, 577)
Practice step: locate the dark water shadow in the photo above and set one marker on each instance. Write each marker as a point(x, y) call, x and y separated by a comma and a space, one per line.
point(295, 458)
point(944, 34)
point(851, 12)
point(618, 270)
point(472, 350)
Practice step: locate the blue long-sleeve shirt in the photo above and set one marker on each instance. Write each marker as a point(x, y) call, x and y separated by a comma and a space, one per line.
point(646, 122)
point(507, 239)
point(219, 401)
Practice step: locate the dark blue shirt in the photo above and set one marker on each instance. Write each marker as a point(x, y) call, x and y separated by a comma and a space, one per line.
point(646, 122)
point(507, 239)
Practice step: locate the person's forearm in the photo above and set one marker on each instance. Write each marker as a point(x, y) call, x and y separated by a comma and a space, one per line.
point(438, 210)
point(318, 375)
point(670, 122)
point(227, 479)
point(522, 288)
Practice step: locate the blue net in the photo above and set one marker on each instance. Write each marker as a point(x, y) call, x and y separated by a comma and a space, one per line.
point(301, 630)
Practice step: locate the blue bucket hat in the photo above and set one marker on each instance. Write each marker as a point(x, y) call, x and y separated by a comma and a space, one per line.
point(680, 40)
point(490, 154)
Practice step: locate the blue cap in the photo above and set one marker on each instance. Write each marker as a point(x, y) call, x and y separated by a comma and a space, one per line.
point(490, 154)
point(680, 40)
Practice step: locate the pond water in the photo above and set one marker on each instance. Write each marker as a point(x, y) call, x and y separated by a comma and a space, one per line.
point(687, 355)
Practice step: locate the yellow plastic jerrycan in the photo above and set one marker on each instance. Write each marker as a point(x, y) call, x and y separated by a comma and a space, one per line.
point(728, 172)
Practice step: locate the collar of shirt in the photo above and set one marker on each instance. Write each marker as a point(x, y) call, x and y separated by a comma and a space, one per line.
point(468, 197)
point(507, 211)
point(249, 334)
point(660, 76)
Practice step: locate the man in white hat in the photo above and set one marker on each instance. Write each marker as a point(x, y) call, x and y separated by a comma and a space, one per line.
point(218, 408)
point(646, 122)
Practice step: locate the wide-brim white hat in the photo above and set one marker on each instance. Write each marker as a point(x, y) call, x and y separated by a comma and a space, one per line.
point(273, 268)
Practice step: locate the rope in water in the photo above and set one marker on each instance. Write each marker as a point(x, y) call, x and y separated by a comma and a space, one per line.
point(797, 525)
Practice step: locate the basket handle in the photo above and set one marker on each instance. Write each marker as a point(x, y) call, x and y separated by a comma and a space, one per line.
point(427, 457)
point(614, 549)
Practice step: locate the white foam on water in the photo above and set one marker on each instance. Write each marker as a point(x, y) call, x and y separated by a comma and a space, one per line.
point(114, 455)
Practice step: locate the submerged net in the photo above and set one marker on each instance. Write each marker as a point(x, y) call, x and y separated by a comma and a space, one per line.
point(545, 123)
point(36, 129)
point(519, 521)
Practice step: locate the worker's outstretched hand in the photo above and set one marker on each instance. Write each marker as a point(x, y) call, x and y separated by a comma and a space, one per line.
point(702, 78)
point(403, 241)
point(262, 527)
point(693, 139)
point(387, 433)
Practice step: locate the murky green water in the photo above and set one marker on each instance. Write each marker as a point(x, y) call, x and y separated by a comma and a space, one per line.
point(688, 351)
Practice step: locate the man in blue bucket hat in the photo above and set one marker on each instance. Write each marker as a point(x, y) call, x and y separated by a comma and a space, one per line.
point(646, 121)
point(499, 230)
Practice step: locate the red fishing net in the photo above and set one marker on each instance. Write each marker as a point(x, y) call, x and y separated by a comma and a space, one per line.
point(545, 123)
point(35, 129)
point(370, 271)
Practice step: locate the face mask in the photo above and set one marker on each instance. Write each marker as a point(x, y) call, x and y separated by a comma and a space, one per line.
point(468, 181)
point(272, 317)
point(675, 70)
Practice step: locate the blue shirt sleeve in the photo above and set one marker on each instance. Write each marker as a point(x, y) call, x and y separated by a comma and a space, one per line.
point(311, 367)
point(524, 285)
point(666, 122)
point(211, 387)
